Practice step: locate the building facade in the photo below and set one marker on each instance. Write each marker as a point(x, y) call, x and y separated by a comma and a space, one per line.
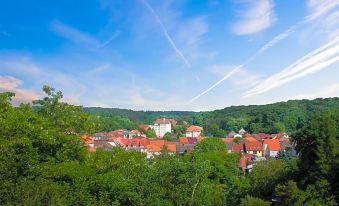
point(162, 126)
point(193, 131)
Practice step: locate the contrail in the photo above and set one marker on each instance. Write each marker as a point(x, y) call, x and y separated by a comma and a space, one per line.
point(320, 7)
point(312, 62)
point(217, 83)
point(165, 32)
point(267, 46)
point(110, 39)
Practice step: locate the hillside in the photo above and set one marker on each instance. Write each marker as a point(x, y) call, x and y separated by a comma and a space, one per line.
point(278, 117)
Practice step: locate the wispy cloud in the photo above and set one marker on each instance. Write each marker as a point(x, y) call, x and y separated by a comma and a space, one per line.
point(258, 16)
point(313, 62)
point(12, 84)
point(319, 8)
point(165, 32)
point(74, 34)
point(18, 64)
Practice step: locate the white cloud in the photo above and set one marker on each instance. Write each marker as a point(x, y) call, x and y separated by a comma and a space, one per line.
point(319, 8)
point(258, 16)
point(243, 77)
point(74, 34)
point(313, 62)
point(12, 84)
point(18, 64)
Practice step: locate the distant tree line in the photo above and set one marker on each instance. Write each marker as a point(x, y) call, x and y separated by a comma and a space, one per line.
point(272, 118)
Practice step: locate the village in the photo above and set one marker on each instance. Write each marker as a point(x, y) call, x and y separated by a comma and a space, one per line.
point(251, 147)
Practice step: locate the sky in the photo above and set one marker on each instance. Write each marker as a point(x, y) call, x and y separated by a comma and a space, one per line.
point(193, 55)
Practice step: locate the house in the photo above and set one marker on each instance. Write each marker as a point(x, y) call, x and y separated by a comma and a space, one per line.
point(232, 133)
point(238, 147)
point(156, 146)
point(173, 122)
point(134, 133)
point(229, 143)
point(271, 147)
point(227, 139)
point(287, 146)
point(193, 131)
point(162, 126)
point(185, 148)
point(100, 136)
point(242, 131)
point(144, 127)
point(260, 136)
point(253, 146)
point(190, 140)
point(246, 162)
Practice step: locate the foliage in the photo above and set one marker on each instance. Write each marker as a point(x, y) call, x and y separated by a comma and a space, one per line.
point(211, 144)
point(237, 139)
point(272, 118)
point(253, 201)
point(44, 162)
point(266, 175)
point(150, 133)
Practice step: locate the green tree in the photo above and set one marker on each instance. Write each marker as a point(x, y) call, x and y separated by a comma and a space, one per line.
point(266, 175)
point(150, 133)
point(318, 147)
point(254, 201)
point(211, 144)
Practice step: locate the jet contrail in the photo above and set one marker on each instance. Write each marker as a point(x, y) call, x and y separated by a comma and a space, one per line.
point(312, 62)
point(217, 83)
point(165, 32)
point(268, 45)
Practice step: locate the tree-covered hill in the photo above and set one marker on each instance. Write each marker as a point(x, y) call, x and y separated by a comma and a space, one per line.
point(140, 116)
point(271, 118)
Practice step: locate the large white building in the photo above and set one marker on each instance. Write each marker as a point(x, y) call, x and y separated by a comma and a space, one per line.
point(193, 131)
point(162, 126)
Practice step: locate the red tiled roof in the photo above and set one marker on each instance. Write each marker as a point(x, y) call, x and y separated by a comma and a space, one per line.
point(243, 160)
point(250, 139)
point(135, 131)
point(261, 136)
point(194, 128)
point(238, 147)
point(158, 144)
point(171, 146)
point(173, 121)
point(87, 139)
point(144, 127)
point(273, 144)
point(162, 121)
point(228, 139)
point(183, 140)
point(253, 146)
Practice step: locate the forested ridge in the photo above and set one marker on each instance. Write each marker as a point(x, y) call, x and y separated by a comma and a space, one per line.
point(271, 118)
point(44, 162)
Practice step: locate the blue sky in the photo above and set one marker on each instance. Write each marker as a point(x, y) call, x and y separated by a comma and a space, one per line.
point(170, 54)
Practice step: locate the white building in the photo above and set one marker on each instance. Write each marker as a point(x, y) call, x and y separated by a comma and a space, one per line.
point(162, 126)
point(193, 131)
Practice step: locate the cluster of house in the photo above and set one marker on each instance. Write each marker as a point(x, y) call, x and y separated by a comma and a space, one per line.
point(257, 147)
point(252, 147)
point(136, 140)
